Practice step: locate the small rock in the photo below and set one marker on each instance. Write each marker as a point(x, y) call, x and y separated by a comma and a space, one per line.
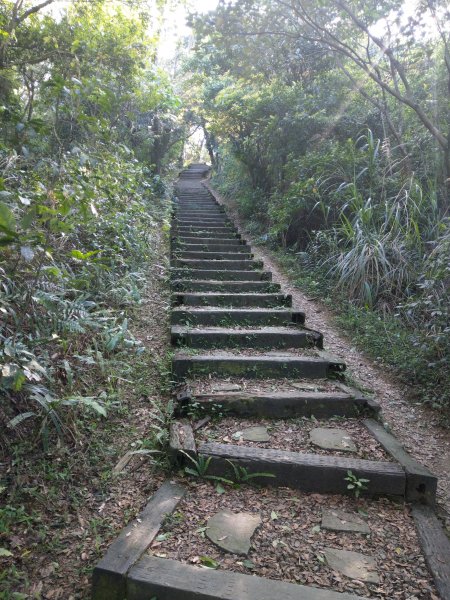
point(233, 531)
point(338, 520)
point(255, 434)
point(332, 439)
point(226, 387)
point(352, 564)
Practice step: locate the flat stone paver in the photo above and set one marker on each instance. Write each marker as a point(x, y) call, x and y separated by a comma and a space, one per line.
point(233, 531)
point(332, 439)
point(339, 520)
point(226, 387)
point(352, 564)
point(255, 434)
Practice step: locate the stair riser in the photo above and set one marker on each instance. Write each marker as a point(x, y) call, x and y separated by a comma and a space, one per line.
point(226, 287)
point(204, 274)
point(253, 368)
point(309, 476)
point(220, 319)
point(283, 407)
point(225, 238)
point(183, 254)
point(234, 265)
point(227, 245)
point(237, 248)
point(261, 341)
point(234, 300)
point(188, 229)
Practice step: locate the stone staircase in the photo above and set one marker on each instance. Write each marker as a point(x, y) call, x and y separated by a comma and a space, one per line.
point(242, 350)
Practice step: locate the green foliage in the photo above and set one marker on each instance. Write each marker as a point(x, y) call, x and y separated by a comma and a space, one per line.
point(356, 484)
point(81, 198)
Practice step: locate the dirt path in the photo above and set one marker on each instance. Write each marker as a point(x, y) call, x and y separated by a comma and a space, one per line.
point(414, 425)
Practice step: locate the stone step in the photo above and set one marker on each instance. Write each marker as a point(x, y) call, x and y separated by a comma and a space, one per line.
point(205, 255)
point(233, 265)
point(222, 299)
point(217, 275)
point(219, 235)
point(282, 405)
point(201, 222)
point(315, 473)
point(188, 285)
point(180, 211)
point(208, 241)
point(166, 579)
point(212, 316)
point(254, 367)
point(203, 228)
point(232, 248)
point(263, 338)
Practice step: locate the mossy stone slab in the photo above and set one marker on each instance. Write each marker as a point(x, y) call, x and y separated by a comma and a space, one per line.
point(226, 387)
point(330, 438)
point(339, 520)
point(352, 564)
point(233, 531)
point(255, 434)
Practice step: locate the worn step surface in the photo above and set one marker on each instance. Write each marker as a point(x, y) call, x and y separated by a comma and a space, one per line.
point(262, 337)
point(255, 366)
point(280, 404)
point(222, 274)
point(208, 285)
point(209, 241)
point(210, 255)
point(222, 264)
point(223, 299)
point(216, 316)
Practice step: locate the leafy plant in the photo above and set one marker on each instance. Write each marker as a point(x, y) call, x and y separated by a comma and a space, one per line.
point(356, 484)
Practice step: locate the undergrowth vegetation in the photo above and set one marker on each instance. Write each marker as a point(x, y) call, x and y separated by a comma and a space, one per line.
point(88, 124)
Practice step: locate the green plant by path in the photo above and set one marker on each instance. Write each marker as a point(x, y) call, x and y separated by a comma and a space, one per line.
point(356, 484)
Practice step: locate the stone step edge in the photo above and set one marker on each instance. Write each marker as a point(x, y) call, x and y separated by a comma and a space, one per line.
point(282, 404)
point(109, 577)
point(308, 472)
point(154, 577)
point(263, 337)
point(254, 367)
point(178, 298)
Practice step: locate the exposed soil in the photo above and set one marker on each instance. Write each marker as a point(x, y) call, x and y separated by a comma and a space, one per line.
point(415, 426)
point(289, 543)
point(293, 435)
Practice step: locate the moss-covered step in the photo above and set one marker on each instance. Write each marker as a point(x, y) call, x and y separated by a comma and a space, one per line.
point(219, 316)
point(236, 248)
point(227, 337)
point(191, 235)
point(279, 405)
point(233, 265)
point(189, 285)
point(234, 240)
point(209, 255)
point(204, 222)
point(222, 299)
point(211, 229)
point(256, 366)
point(221, 275)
